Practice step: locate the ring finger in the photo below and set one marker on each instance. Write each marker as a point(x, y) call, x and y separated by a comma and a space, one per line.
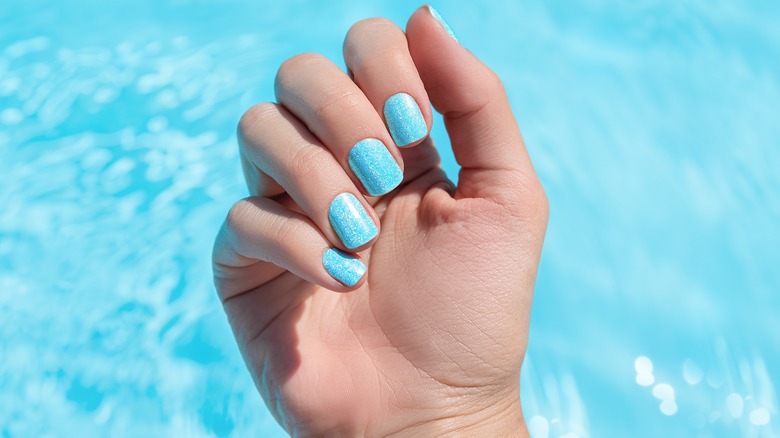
point(281, 147)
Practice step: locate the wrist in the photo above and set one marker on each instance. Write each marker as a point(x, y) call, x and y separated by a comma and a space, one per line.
point(500, 418)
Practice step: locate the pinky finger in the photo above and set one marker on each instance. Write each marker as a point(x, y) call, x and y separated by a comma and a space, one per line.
point(261, 239)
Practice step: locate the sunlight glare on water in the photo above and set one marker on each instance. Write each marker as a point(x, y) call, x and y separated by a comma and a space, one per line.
point(652, 125)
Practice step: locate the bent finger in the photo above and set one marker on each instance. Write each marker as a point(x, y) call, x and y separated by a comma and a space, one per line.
point(334, 109)
point(292, 156)
point(262, 235)
point(377, 54)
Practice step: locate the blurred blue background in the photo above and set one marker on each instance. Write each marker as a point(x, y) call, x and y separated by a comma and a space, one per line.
point(654, 126)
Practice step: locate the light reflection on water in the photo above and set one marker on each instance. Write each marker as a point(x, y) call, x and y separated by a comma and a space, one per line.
point(652, 125)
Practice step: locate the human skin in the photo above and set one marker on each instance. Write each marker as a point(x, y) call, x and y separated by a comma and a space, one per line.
point(430, 341)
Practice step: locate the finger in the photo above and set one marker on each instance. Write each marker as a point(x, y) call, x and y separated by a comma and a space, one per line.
point(261, 235)
point(335, 110)
point(377, 54)
point(485, 138)
point(284, 149)
point(258, 182)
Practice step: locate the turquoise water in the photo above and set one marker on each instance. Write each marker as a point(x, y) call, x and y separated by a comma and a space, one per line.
point(653, 125)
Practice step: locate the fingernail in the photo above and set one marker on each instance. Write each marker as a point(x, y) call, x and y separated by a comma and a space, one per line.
point(342, 266)
point(372, 163)
point(441, 21)
point(351, 221)
point(404, 119)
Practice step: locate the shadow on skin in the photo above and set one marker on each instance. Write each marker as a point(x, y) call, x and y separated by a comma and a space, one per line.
point(268, 339)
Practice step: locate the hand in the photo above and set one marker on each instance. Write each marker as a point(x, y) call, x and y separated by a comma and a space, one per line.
point(430, 336)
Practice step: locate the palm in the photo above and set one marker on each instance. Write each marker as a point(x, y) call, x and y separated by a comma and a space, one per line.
point(422, 320)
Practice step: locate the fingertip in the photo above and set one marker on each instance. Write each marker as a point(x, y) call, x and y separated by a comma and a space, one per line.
point(434, 13)
point(456, 81)
point(354, 221)
point(377, 168)
point(405, 120)
point(346, 269)
point(428, 18)
point(472, 99)
point(376, 51)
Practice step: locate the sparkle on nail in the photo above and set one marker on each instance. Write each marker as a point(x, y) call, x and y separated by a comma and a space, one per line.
point(441, 21)
point(351, 221)
point(404, 119)
point(342, 266)
point(372, 163)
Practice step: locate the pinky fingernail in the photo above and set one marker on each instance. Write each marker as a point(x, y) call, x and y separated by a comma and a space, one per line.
point(342, 266)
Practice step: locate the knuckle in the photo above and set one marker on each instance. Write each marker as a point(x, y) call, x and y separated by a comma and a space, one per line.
point(377, 61)
point(308, 164)
point(239, 214)
point(252, 230)
point(368, 26)
point(279, 232)
point(361, 45)
point(494, 81)
point(257, 114)
point(491, 89)
point(543, 205)
point(297, 63)
point(527, 199)
point(332, 108)
point(514, 199)
point(499, 90)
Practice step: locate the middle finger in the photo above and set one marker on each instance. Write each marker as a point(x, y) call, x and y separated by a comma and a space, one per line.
point(341, 116)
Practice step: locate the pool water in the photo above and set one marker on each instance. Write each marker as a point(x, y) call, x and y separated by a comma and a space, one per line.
point(653, 125)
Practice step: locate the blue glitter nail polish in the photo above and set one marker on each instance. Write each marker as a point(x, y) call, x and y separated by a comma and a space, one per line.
point(342, 266)
point(372, 163)
point(441, 21)
point(404, 119)
point(351, 221)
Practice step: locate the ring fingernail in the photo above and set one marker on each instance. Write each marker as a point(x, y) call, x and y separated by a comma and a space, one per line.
point(404, 119)
point(351, 221)
point(372, 163)
point(342, 266)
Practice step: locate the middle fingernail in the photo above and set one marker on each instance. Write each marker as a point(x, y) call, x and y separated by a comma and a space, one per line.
point(372, 163)
point(404, 119)
point(351, 221)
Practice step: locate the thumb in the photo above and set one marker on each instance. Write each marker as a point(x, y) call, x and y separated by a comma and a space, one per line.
point(485, 138)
